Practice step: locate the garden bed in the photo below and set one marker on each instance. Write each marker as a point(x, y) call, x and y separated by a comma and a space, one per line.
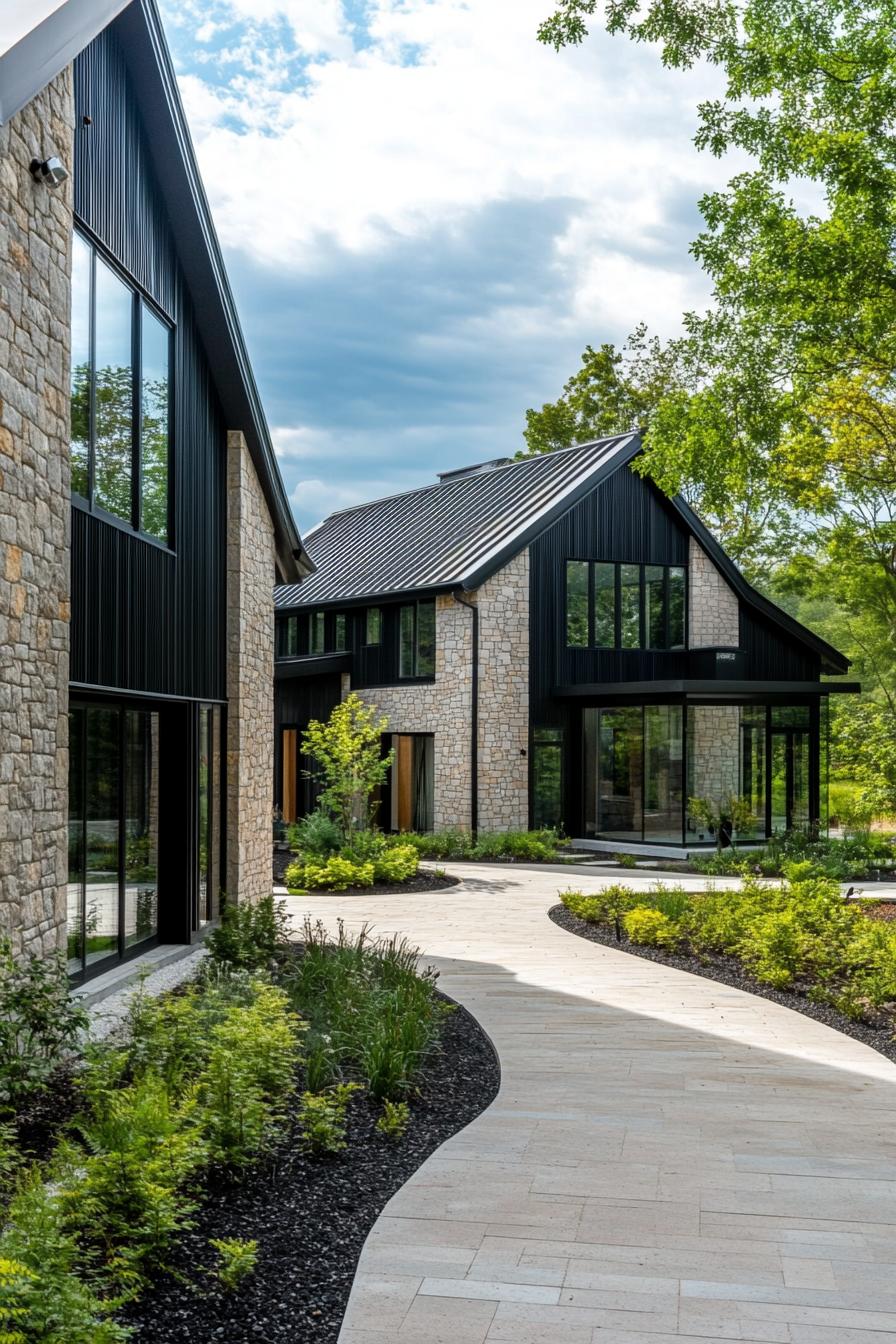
point(310, 1217)
point(425, 879)
point(730, 971)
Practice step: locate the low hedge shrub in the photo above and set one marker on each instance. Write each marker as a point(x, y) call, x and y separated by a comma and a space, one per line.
point(797, 934)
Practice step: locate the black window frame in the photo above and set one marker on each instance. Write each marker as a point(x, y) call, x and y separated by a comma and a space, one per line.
point(644, 645)
point(140, 299)
point(414, 607)
point(368, 613)
point(317, 621)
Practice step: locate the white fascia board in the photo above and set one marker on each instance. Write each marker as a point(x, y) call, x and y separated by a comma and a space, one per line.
point(38, 38)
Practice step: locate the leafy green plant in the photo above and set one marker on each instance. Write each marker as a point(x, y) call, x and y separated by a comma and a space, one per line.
point(348, 761)
point(394, 1120)
point(41, 1024)
point(315, 836)
point(718, 813)
point(50, 1290)
point(249, 934)
point(396, 864)
point(607, 906)
point(323, 1118)
point(237, 1259)
point(15, 1280)
point(626, 860)
point(334, 874)
point(650, 927)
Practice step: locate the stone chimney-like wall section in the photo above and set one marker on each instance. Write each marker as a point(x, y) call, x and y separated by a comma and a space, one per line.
point(713, 614)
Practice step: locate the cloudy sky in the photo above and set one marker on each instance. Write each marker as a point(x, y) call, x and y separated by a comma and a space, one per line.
point(427, 215)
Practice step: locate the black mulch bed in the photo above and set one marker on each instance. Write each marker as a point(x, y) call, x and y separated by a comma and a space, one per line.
point(729, 971)
point(39, 1125)
point(424, 880)
point(310, 1216)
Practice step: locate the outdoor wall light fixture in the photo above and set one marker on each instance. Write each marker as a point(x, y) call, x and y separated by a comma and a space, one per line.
point(50, 171)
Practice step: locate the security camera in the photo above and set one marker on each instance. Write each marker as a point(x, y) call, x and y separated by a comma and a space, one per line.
point(50, 171)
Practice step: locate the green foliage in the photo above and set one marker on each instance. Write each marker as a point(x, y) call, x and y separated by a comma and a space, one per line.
point(237, 1259)
point(532, 846)
point(349, 765)
point(370, 1015)
point(41, 1024)
point(626, 860)
point(849, 859)
point(54, 1300)
point(394, 1120)
point(650, 927)
point(249, 935)
point(323, 1118)
point(397, 863)
point(714, 813)
point(316, 836)
point(334, 874)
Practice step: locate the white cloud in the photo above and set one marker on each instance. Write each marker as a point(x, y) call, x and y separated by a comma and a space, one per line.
point(370, 149)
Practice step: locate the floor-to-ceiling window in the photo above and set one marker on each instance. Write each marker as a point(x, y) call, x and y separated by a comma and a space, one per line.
point(209, 806)
point(113, 832)
point(642, 763)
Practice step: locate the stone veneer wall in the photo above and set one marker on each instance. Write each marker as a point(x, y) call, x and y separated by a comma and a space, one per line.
point(443, 707)
point(35, 304)
point(250, 678)
point(713, 751)
point(503, 602)
point(714, 614)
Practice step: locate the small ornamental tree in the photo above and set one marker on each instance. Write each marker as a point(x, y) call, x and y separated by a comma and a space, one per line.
point(349, 761)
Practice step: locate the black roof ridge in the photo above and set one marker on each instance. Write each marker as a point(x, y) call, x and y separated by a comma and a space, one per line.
point(474, 475)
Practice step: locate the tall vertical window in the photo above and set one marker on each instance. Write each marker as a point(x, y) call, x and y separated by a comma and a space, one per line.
point(604, 605)
point(316, 626)
point(630, 606)
point(417, 640)
point(655, 606)
point(290, 636)
point(120, 397)
point(577, 604)
point(341, 632)
point(676, 607)
point(547, 777)
point(373, 625)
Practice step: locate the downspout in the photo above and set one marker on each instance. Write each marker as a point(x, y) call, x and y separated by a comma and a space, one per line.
point(474, 715)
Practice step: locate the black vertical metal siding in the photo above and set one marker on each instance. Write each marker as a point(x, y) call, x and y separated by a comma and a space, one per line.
point(771, 655)
point(624, 518)
point(144, 618)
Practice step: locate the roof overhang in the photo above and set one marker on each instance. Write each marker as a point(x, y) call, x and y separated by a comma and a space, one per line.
point(313, 665)
point(684, 688)
point(39, 38)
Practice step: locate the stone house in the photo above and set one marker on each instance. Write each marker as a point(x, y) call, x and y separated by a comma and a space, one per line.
point(142, 516)
point(555, 642)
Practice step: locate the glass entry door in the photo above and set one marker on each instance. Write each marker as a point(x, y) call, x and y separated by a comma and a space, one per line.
point(789, 764)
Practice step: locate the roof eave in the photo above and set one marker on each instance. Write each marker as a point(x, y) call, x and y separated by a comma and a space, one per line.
point(38, 56)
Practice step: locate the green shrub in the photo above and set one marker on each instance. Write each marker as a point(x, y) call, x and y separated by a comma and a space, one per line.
point(46, 1294)
point(370, 1014)
point(236, 1260)
point(398, 863)
point(41, 1024)
point(626, 860)
point(394, 1120)
point(722, 862)
point(650, 927)
point(323, 1118)
point(436, 844)
point(336, 874)
point(673, 902)
point(531, 846)
point(249, 1077)
point(249, 935)
point(314, 837)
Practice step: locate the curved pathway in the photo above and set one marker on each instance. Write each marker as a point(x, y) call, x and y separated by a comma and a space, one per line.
point(667, 1159)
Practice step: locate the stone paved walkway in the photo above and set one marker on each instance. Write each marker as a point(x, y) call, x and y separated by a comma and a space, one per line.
point(668, 1158)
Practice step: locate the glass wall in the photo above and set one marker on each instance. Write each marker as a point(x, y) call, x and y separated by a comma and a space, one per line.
point(113, 832)
point(643, 762)
point(209, 790)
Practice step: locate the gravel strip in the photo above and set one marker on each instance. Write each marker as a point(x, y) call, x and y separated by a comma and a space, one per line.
point(728, 971)
point(111, 1012)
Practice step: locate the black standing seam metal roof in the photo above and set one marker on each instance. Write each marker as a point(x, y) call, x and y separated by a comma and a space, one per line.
point(450, 535)
point(456, 533)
